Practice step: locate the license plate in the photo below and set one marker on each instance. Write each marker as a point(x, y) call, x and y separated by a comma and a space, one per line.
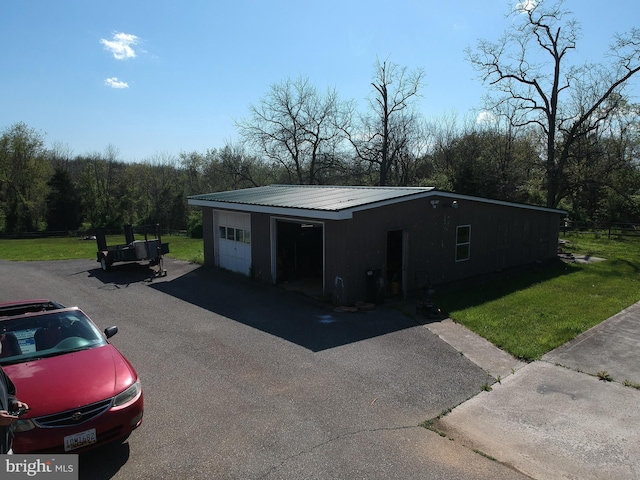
point(78, 440)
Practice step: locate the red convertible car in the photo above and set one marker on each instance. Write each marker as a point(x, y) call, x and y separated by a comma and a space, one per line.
point(81, 391)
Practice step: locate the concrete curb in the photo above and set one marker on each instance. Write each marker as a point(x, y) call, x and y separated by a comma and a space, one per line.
point(497, 363)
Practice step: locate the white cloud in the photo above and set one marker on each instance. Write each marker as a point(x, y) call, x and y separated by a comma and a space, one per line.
point(121, 46)
point(458, 27)
point(485, 117)
point(113, 82)
point(526, 6)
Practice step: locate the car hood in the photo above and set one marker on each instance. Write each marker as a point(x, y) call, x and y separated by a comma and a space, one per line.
point(69, 381)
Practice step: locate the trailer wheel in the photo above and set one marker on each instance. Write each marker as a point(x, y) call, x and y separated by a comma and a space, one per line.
point(104, 264)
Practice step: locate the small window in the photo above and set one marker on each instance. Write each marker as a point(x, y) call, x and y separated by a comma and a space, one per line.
point(463, 243)
point(235, 234)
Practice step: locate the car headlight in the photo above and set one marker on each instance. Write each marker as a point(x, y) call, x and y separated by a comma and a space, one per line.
point(128, 395)
point(22, 426)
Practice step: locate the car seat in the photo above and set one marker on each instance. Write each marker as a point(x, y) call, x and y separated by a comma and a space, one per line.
point(10, 345)
point(48, 337)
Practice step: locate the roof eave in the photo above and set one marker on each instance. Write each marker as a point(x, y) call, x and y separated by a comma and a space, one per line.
point(270, 210)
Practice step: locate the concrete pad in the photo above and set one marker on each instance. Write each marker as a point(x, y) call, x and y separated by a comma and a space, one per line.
point(496, 362)
point(550, 422)
point(612, 346)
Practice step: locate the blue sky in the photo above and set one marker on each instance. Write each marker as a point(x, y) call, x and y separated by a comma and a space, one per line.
point(152, 78)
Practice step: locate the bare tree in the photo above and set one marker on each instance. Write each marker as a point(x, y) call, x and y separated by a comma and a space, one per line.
point(529, 67)
point(60, 155)
point(194, 165)
point(295, 126)
point(237, 169)
point(101, 189)
point(383, 133)
point(444, 135)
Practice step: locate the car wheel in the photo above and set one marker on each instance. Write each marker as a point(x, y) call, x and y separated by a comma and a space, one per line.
point(104, 264)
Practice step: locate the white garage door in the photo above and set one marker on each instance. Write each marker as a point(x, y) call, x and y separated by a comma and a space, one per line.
point(234, 241)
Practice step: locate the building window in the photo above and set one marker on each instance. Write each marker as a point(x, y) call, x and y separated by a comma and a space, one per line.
point(235, 234)
point(463, 243)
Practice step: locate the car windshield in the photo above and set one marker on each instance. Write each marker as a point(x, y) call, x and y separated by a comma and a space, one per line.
point(33, 336)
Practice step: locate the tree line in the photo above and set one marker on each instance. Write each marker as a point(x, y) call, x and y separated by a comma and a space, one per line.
point(551, 133)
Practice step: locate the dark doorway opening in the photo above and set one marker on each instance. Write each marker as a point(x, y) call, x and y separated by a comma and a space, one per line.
point(300, 255)
point(394, 263)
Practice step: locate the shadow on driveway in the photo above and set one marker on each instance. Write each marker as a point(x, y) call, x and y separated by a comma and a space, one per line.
point(291, 316)
point(126, 274)
point(104, 462)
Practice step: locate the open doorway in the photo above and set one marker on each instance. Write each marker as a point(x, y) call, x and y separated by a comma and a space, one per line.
point(300, 258)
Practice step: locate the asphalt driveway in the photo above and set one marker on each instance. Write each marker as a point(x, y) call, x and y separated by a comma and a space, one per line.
point(247, 381)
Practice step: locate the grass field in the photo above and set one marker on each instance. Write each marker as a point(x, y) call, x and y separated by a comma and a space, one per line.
point(534, 311)
point(40, 249)
point(527, 313)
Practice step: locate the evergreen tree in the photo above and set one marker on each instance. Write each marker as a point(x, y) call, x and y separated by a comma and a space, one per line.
point(63, 202)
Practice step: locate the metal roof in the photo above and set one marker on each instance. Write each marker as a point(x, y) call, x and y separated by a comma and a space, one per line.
point(316, 201)
point(325, 202)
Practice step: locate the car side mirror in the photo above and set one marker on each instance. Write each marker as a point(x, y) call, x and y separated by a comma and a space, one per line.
point(110, 331)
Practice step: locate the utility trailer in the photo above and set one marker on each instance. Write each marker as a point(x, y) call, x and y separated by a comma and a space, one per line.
point(150, 250)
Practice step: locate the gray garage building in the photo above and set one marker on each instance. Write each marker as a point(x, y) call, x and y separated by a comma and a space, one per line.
point(364, 243)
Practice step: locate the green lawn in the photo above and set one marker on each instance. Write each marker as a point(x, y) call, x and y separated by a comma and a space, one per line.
point(39, 249)
point(534, 311)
